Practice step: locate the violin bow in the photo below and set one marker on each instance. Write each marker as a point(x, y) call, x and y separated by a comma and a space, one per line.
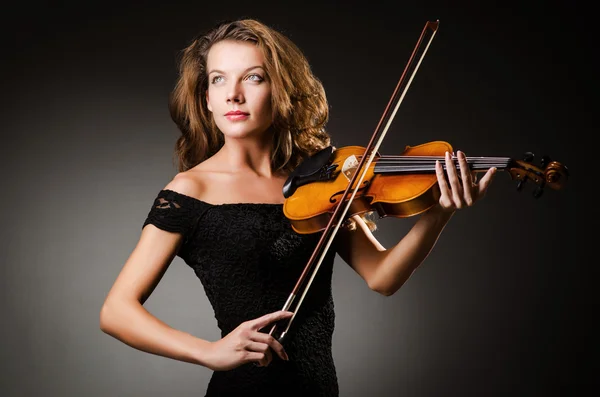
point(427, 35)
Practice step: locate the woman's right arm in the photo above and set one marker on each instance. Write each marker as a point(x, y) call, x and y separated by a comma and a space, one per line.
point(123, 315)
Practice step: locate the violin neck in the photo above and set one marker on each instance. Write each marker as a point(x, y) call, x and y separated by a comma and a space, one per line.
point(426, 164)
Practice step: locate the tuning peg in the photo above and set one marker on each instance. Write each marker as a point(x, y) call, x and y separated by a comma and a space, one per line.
point(545, 161)
point(520, 184)
point(528, 157)
point(537, 192)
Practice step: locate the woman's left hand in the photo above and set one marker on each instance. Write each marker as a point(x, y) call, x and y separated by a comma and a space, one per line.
point(459, 192)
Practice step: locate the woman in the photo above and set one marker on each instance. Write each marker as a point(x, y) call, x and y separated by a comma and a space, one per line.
point(249, 109)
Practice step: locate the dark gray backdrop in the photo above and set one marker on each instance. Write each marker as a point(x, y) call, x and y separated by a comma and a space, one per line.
point(501, 306)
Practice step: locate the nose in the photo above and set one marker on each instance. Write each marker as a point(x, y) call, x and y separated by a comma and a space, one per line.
point(235, 93)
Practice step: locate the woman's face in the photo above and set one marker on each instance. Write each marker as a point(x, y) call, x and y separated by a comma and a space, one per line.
point(237, 82)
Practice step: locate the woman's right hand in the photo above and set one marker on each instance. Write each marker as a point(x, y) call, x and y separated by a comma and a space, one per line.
point(247, 344)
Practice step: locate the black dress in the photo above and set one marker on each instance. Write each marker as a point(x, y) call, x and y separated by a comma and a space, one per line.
point(249, 259)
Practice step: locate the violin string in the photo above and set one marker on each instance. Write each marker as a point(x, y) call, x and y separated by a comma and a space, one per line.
point(427, 163)
point(394, 156)
point(413, 170)
point(405, 170)
point(432, 161)
point(432, 164)
point(429, 158)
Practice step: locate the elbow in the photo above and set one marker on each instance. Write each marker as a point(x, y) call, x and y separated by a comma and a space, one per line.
point(381, 288)
point(388, 285)
point(384, 291)
point(105, 319)
point(109, 318)
point(116, 313)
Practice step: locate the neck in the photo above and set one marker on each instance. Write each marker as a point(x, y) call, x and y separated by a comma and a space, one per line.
point(247, 155)
point(426, 164)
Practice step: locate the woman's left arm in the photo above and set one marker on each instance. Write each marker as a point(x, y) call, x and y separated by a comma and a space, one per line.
point(386, 270)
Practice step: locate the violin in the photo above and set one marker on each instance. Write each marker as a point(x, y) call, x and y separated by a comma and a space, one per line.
point(332, 185)
point(397, 186)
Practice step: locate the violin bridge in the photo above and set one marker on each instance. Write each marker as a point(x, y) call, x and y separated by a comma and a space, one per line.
point(350, 166)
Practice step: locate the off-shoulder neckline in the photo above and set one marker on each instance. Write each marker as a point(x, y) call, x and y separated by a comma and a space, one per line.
point(220, 204)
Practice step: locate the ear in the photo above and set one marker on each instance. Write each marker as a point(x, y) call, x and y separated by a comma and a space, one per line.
point(208, 102)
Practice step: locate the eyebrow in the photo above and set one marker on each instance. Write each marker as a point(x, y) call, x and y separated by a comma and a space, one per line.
point(248, 69)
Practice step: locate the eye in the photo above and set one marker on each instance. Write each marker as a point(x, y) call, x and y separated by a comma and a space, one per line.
point(216, 79)
point(255, 77)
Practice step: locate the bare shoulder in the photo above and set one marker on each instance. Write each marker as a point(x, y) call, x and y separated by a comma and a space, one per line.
point(206, 181)
point(190, 183)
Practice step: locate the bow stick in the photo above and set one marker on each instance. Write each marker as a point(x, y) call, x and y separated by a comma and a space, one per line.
point(365, 161)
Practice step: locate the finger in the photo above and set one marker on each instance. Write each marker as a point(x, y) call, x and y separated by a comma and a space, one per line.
point(268, 357)
point(485, 181)
point(263, 321)
point(441, 177)
point(261, 348)
point(272, 343)
point(255, 346)
point(467, 181)
point(453, 179)
point(258, 358)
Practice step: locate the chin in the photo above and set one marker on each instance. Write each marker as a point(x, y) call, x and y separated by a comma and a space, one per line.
point(243, 133)
point(237, 134)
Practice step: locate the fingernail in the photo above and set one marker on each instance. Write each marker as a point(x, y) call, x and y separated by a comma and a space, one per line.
point(285, 356)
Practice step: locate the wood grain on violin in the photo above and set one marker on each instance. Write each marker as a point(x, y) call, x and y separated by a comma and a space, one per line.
point(398, 186)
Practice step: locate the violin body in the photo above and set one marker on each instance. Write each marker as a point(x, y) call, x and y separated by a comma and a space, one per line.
point(398, 186)
point(401, 195)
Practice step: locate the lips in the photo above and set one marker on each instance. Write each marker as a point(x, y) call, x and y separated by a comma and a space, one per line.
point(236, 113)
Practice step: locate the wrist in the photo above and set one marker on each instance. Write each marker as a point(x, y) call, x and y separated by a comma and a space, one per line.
point(439, 214)
point(201, 352)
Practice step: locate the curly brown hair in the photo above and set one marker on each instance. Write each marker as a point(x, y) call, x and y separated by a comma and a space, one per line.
point(300, 108)
point(298, 100)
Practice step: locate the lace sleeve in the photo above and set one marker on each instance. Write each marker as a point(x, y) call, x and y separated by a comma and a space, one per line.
point(174, 212)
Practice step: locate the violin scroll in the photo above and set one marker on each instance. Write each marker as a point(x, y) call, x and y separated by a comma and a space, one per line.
point(550, 173)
